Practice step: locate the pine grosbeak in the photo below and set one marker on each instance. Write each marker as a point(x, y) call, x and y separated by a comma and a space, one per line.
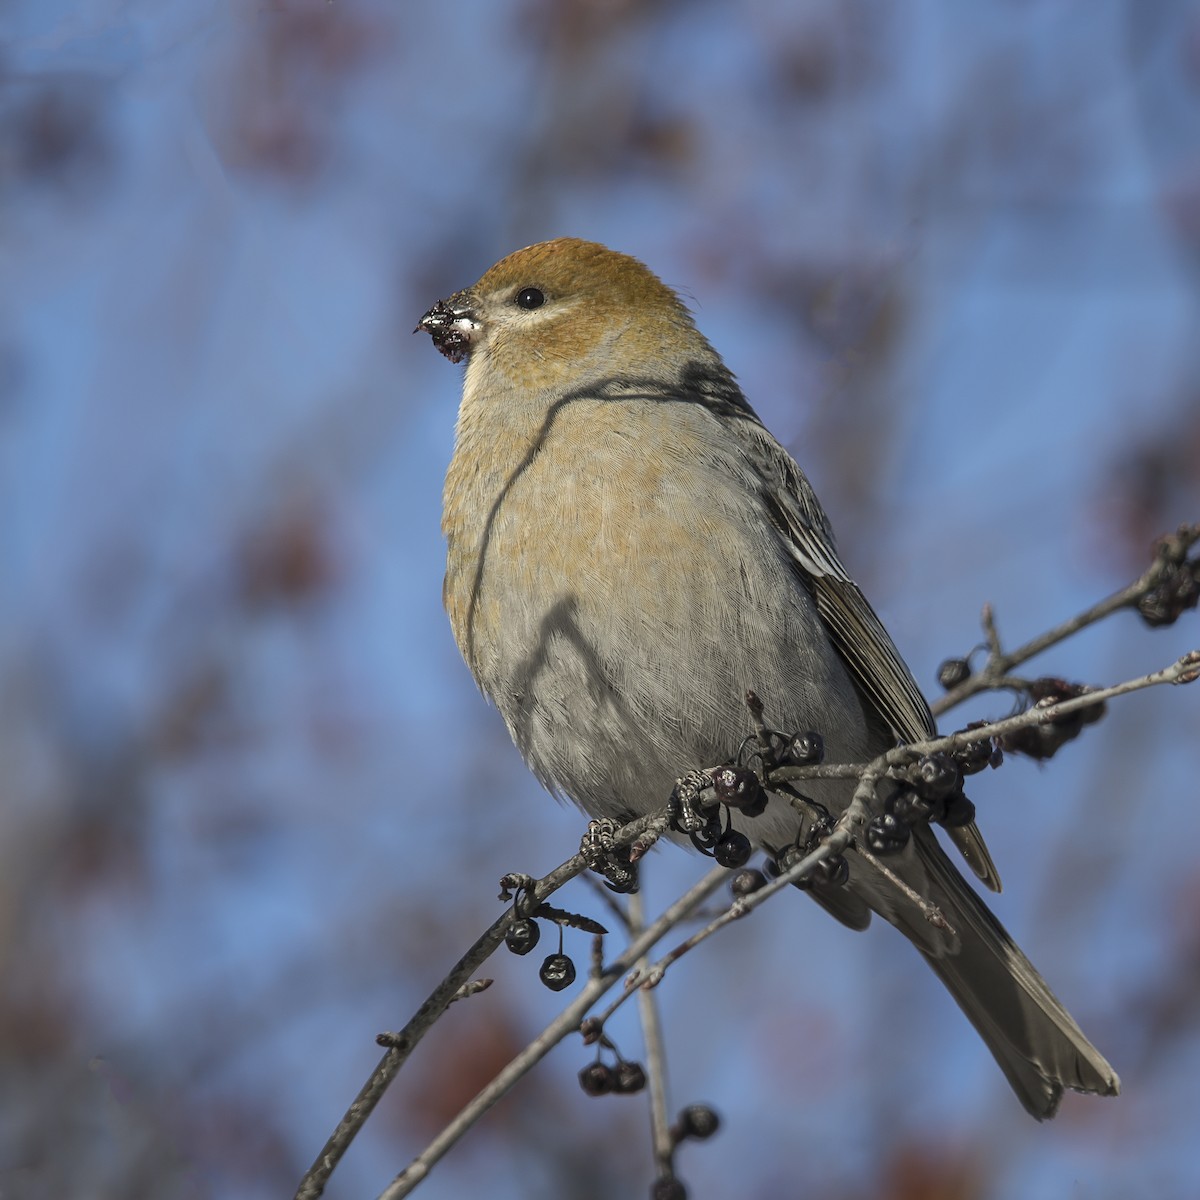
point(630, 551)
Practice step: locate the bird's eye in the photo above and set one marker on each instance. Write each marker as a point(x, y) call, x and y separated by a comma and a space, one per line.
point(530, 298)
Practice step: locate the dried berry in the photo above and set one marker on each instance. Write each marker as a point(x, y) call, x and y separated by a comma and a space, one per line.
point(886, 834)
point(1050, 691)
point(596, 1079)
point(1043, 741)
point(806, 749)
point(522, 935)
point(746, 883)
point(936, 776)
point(833, 871)
point(557, 972)
point(698, 1121)
point(906, 805)
point(953, 671)
point(1166, 603)
point(786, 859)
point(1035, 741)
point(959, 811)
point(629, 1077)
point(971, 759)
point(733, 849)
point(738, 787)
point(820, 824)
point(667, 1187)
point(1069, 725)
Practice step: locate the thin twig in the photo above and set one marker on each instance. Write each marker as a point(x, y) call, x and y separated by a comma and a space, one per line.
point(930, 912)
point(1183, 670)
point(786, 774)
point(656, 1054)
point(833, 843)
point(565, 1023)
point(991, 634)
point(999, 663)
point(471, 989)
point(400, 1045)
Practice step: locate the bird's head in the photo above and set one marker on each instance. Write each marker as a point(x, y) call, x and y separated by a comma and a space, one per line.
point(564, 311)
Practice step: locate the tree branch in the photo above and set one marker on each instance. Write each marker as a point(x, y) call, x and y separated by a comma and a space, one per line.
point(1172, 550)
point(640, 834)
point(565, 1023)
point(656, 1056)
point(401, 1045)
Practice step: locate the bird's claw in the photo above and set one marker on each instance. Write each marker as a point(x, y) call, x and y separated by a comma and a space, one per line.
point(687, 812)
point(613, 863)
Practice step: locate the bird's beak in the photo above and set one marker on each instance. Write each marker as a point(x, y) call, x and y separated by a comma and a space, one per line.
point(451, 323)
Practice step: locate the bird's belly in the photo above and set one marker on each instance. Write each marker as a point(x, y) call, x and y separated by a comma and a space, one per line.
point(611, 693)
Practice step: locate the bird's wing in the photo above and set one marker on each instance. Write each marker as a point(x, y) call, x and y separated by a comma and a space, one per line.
point(859, 636)
point(857, 632)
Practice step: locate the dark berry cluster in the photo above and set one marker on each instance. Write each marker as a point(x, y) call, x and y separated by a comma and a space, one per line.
point(622, 1078)
point(1176, 592)
point(776, 749)
point(932, 792)
point(711, 830)
point(972, 758)
point(557, 970)
point(1043, 740)
point(736, 787)
point(832, 871)
point(600, 1078)
point(733, 849)
point(717, 838)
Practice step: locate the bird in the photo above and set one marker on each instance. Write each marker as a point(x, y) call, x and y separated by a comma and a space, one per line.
point(630, 552)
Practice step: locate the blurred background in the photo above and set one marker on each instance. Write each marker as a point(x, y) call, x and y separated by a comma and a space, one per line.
point(248, 796)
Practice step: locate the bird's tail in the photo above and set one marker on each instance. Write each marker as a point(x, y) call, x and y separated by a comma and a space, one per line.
point(1034, 1039)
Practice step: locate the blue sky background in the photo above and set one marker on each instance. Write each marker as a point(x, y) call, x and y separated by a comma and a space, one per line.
point(252, 806)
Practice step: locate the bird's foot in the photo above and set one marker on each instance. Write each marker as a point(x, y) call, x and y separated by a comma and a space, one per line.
point(610, 861)
point(687, 812)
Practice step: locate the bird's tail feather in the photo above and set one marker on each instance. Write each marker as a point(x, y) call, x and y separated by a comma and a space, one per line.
point(1037, 1044)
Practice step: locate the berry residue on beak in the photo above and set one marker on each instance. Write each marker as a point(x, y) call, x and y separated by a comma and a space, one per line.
point(450, 323)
